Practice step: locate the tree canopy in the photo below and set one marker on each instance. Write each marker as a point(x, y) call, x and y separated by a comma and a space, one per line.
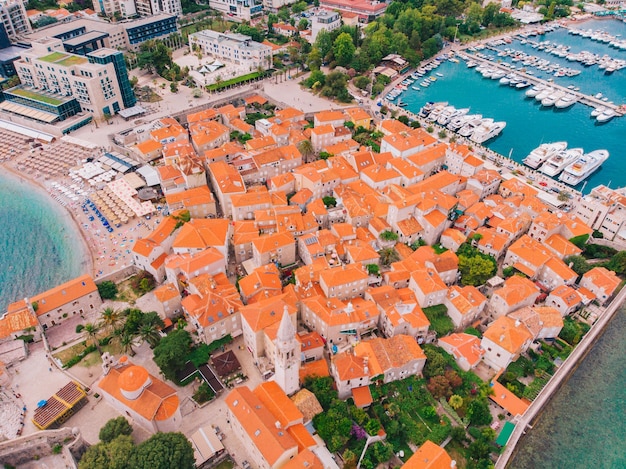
point(171, 353)
point(114, 428)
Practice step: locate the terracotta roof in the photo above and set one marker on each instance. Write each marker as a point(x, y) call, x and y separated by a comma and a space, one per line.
point(508, 333)
point(465, 299)
point(65, 293)
point(569, 296)
point(266, 312)
point(166, 292)
point(429, 456)
point(507, 400)
point(191, 197)
point(318, 368)
point(145, 246)
point(464, 345)
point(17, 318)
point(428, 281)
point(259, 424)
point(386, 354)
point(349, 366)
point(200, 233)
point(516, 289)
point(305, 459)
point(603, 278)
point(268, 243)
point(362, 396)
point(277, 402)
point(158, 401)
point(340, 275)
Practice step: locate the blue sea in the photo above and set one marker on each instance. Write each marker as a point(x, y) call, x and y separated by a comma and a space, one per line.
point(528, 124)
point(39, 246)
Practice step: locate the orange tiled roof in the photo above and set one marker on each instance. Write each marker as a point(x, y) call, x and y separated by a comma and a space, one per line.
point(464, 345)
point(158, 401)
point(318, 368)
point(362, 396)
point(507, 400)
point(65, 293)
point(429, 456)
point(166, 292)
point(603, 278)
point(508, 334)
point(277, 402)
point(17, 318)
point(200, 233)
point(259, 424)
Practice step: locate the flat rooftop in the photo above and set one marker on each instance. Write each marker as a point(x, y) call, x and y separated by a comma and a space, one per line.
point(58, 29)
point(87, 37)
point(11, 53)
point(64, 59)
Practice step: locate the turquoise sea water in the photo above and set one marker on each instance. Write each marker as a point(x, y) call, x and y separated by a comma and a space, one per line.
point(583, 426)
point(528, 124)
point(39, 246)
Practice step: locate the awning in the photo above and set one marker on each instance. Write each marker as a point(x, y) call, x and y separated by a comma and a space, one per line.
point(26, 111)
point(27, 131)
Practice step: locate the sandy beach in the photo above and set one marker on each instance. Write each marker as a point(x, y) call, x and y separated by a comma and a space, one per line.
point(104, 252)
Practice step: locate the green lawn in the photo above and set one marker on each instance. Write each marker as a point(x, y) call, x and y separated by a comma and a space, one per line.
point(54, 57)
point(233, 81)
point(440, 322)
point(72, 60)
point(36, 96)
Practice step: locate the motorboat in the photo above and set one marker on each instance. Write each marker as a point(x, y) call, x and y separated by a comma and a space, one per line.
point(534, 91)
point(559, 161)
point(566, 101)
point(541, 154)
point(544, 94)
point(469, 127)
point(446, 116)
point(583, 167)
point(606, 115)
point(549, 100)
point(597, 111)
point(487, 131)
point(458, 122)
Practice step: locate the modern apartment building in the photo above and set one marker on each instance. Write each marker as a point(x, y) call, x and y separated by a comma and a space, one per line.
point(138, 7)
point(239, 9)
point(236, 48)
point(85, 35)
point(324, 19)
point(57, 86)
point(13, 14)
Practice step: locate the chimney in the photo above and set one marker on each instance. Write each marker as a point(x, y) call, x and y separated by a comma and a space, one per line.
point(517, 323)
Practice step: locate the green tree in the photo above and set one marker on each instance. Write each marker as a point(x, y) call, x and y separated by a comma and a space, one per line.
point(90, 332)
point(336, 87)
point(388, 256)
point(150, 333)
point(113, 455)
point(382, 452)
point(114, 428)
point(618, 263)
point(324, 155)
point(578, 264)
point(323, 388)
point(314, 59)
point(455, 401)
point(373, 269)
point(329, 201)
point(111, 319)
point(164, 451)
point(389, 236)
point(372, 427)
point(343, 49)
point(306, 149)
point(303, 24)
point(171, 352)
point(476, 270)
point(107, 290)
point(323, 43)
point(435, 362)
point(126, 341)
point(478, 412)
point(361, 82)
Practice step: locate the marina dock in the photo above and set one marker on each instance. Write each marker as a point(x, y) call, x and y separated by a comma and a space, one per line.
point(582, 98)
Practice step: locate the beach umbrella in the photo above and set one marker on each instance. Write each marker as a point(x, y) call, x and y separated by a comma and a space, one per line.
point(42, 403)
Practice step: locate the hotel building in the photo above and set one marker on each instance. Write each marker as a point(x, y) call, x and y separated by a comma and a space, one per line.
point(57, 86)
point(236, 48)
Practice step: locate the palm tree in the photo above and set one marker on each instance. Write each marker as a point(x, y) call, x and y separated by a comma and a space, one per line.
point(150, 333)
point(126, 343)
point(91, 333)
point(388, 256)
point(111, 318)
point(306, 148)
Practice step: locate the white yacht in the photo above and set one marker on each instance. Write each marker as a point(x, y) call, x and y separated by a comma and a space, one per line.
point(487, 131)
point(583, 167)
point(597, 111)
point(566, 101)
point(458, 122)
point(552, 98)
point(544, 151)
point(534, 91)
point(445, 119)
point(469, 127)
point(445, 115)
point(606, 115)
point(544, 94)
point(558, 162)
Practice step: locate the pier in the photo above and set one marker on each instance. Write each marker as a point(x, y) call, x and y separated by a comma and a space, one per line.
point(582, 98)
